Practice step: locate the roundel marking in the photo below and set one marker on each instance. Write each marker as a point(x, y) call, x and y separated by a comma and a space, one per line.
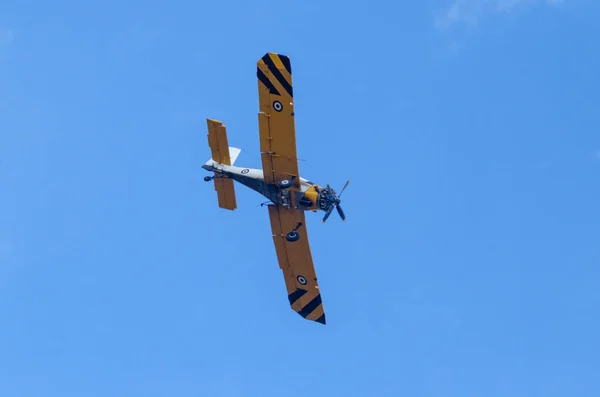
point(301, 280)
point(277, 106)
point(245, 171)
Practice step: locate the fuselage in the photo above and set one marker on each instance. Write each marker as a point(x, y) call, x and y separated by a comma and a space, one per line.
point(312, 198)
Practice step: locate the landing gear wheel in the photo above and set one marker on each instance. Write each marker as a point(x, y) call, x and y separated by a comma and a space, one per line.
point(292, 236)
point(207, 179)
point(284, 184)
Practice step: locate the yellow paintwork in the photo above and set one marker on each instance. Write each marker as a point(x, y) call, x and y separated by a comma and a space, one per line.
point(217, 140)
point(219, 147)
point(280, 161)
point(312, 194)
point(276, 119)
point(295, 261)
point(225, 193)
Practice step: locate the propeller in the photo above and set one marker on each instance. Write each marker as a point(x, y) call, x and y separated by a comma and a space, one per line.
point(333, 200)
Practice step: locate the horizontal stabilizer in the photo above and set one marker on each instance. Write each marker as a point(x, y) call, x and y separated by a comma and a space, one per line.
point(225, 193)
point(222, 153)
point(217, 140)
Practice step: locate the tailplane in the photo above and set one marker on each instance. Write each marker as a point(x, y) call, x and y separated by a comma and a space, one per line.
point(223, 154)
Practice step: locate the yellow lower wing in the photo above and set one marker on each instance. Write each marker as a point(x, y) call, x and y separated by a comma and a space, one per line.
point(295, 261)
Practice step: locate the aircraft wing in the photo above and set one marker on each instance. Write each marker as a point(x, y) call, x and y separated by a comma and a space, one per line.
point(276, 119)
point(295, 261)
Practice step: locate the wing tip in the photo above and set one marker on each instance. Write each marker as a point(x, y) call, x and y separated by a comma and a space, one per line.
point(285, 60)
point(321, 320)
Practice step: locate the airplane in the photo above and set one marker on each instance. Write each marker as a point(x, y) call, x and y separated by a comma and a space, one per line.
point(289, 195)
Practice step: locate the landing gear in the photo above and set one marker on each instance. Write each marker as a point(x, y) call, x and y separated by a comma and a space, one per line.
point(284, 184)
point(293, 235)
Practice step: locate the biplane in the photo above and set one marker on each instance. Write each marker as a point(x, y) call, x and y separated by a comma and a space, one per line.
point(290, 196)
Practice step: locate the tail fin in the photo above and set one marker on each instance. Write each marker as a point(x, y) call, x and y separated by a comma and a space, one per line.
point(222, 153)
point(234, 154)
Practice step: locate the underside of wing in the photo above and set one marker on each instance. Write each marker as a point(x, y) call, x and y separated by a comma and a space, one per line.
point(295, 261)
point(276, 119)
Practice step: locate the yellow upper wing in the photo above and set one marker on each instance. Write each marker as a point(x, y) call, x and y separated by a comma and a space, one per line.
point(296, 262)
point(276, 119)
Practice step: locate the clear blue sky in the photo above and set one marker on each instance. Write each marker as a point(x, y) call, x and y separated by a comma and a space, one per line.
point(469, 264)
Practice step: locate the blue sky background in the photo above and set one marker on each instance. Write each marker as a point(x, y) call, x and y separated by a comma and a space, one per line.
point(469, 264)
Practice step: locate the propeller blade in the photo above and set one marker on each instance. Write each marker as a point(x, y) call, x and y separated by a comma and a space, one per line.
point(327, 214)
point(329, 192)
point(341, 212)
point(344, 188)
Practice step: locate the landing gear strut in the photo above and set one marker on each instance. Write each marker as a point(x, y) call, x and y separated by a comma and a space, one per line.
point(293, 235)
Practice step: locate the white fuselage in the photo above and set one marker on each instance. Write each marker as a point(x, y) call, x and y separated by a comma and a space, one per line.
point(254, 179)
point(252, 173)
